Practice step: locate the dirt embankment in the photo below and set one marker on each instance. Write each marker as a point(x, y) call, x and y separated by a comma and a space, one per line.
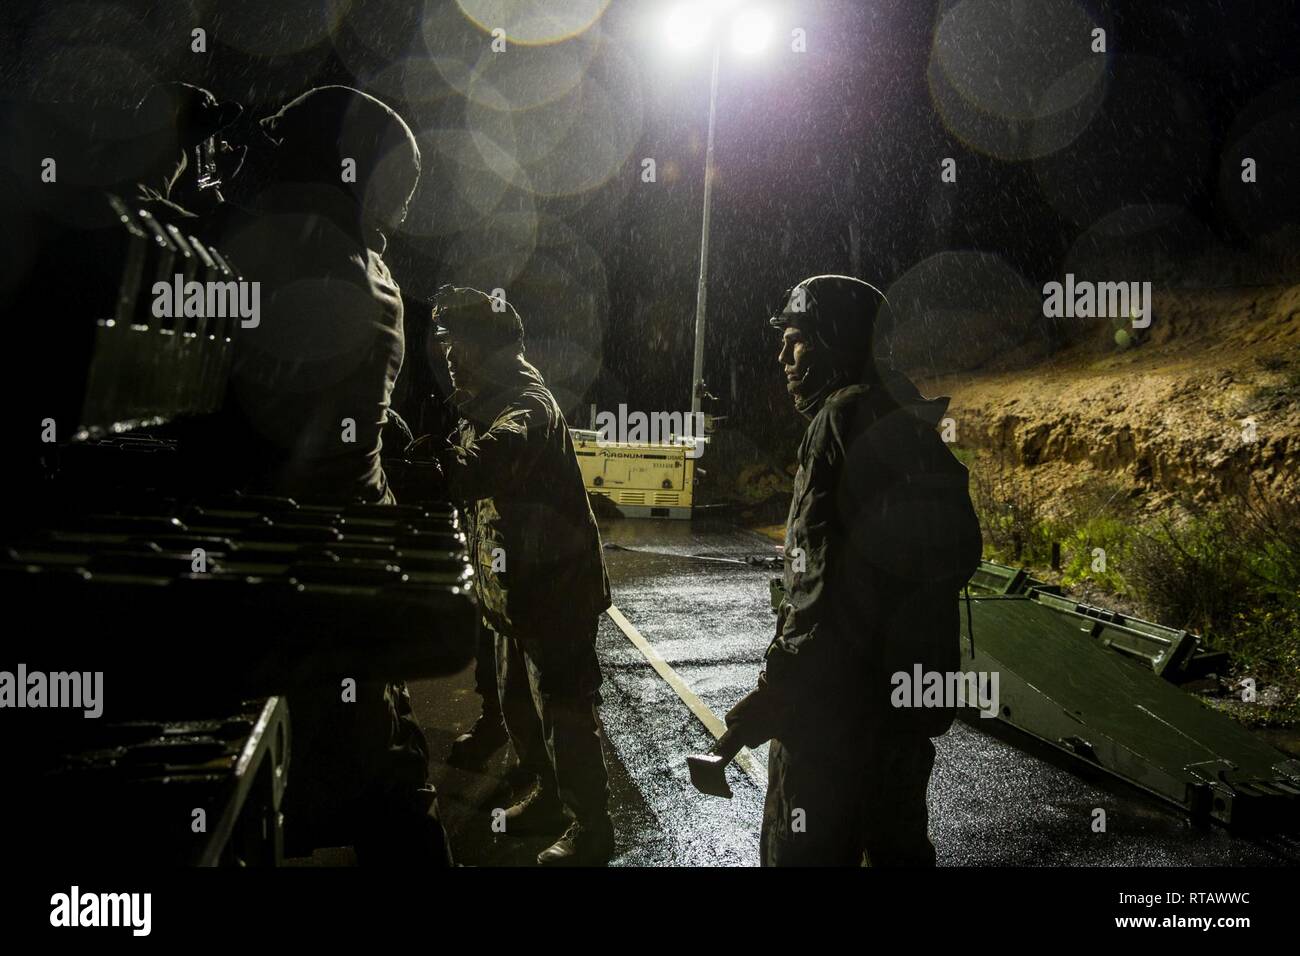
point(1208, 401)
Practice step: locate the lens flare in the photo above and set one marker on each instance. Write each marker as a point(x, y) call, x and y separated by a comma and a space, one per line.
point(1031, 92)
point(534, 22)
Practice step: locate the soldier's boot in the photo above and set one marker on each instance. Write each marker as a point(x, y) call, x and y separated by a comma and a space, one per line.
point(471, 750)
point(540, 812)
point(583, 844)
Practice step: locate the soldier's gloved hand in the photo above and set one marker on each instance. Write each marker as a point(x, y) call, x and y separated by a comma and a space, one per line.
point(728, 745)
point(422, 478)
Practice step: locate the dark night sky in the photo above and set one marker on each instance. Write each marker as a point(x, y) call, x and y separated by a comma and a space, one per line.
point(828, 160)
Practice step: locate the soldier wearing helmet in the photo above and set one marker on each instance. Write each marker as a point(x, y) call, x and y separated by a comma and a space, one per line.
point(880, 538)
point(311, 386)
point(332, 175)
point(540, 573)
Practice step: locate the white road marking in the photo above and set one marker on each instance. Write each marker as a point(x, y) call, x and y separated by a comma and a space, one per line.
point(745, 759)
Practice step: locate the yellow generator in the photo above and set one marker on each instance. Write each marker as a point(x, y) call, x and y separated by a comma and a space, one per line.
point(641, 479)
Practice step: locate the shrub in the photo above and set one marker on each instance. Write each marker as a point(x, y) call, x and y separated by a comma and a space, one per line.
point(1080, 560)
point(1190, 574)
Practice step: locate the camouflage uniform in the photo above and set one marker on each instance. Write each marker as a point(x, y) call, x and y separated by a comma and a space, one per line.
point(541, 578)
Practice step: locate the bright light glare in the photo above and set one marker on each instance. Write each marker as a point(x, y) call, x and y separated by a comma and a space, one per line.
point(687, 25)
point(751, 31)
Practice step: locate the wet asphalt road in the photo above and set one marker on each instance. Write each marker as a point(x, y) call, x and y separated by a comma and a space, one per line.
point(991, 804)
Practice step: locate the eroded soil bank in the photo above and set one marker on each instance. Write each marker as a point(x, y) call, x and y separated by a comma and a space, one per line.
point(1209, 402)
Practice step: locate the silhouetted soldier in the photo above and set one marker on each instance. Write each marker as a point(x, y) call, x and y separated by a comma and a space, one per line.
point(880, 538)
point(540, 571)
point(311, 383)
point(185, 125)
